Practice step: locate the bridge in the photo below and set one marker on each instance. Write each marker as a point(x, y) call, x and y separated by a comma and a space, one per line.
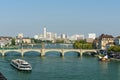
point(43, 51)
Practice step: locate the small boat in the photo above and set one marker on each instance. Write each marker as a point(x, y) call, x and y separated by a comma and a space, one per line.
point(21, 65)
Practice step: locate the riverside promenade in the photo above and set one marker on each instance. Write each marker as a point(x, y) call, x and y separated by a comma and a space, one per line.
point(43, 51)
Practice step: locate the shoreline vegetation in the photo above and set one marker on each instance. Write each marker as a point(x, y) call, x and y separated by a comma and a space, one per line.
point(112, 52)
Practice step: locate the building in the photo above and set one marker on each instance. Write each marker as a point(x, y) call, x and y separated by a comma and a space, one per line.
point(26, 40)
point(89, 40)
point(51, 36)
point(81, 37)
point(41, 37)
point(117, 41)
point(73, 37)
point(63, 36)
point(18, 41)
point(92, 35)
point(36, 37)
point(45, 33)
point(95, 43)
point(5, 41)
point(105, 41)
point(20, 35)
point(77, 37)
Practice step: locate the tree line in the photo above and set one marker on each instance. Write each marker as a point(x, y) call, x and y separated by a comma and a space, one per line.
point(82, 44)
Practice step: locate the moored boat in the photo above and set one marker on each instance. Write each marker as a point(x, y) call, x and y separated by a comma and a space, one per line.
point(105, 58)
point(21, 65)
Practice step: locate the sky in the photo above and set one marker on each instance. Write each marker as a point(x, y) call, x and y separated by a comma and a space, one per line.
point(60, 16)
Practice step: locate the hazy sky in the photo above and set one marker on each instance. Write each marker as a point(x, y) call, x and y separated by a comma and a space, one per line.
point(60, 16)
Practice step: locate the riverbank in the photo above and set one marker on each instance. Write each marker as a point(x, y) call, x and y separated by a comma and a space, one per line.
point(114, 59)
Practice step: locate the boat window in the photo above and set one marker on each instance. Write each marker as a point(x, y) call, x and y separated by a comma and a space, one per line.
point(25, 67)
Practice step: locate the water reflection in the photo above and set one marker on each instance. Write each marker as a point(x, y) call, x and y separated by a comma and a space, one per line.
point(104, 67)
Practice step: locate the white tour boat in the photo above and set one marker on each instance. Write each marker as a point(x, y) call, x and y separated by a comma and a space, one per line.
point(21, 64)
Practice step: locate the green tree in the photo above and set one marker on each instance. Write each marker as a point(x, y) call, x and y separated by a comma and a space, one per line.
point(13, 41)
point(83, 41)
point(114, 48)
point(59, 41)
point(82, 45)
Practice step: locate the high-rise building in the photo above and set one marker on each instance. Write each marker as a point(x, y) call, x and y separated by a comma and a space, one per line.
point(77, 37)
point(41, 36)
point(63, 36)
point(45, 32)
point(51, 36)
point(81, 37)
point(92, 35)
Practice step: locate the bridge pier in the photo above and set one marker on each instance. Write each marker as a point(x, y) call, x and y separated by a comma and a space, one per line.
point(62, 54)
point(3, 54)
point(42, 52)
point(22, 54)
point(81, 54)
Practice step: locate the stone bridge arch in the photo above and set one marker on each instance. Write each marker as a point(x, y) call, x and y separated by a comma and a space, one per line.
point(85, 50)
point(76, 51)
point(24, 51)
point(44, 51)
point(7, 51)
point(54, 50)
point(1, 52)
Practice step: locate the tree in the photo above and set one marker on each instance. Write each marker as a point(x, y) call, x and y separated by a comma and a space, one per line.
point(13, 41)
point(82, 45)
point(83, 41)
point(114, 48)
point(59, 41)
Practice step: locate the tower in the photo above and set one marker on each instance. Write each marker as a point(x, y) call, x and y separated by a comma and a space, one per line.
point(45, 32)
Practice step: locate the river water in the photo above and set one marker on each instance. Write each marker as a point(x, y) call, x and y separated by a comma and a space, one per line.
point(54, 67)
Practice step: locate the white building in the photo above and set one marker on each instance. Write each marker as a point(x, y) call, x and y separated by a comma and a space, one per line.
point(117, 41)
point(5, 41)
point(92, 35)
point(51, 36)
point(41, 36)
point(81, 37)
point(36, 37)
point(63, 36)
point(20, 35)
point(77, 37)
point(45, 32)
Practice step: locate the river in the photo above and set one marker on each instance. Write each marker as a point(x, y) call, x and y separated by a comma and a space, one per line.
point(54, 67)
